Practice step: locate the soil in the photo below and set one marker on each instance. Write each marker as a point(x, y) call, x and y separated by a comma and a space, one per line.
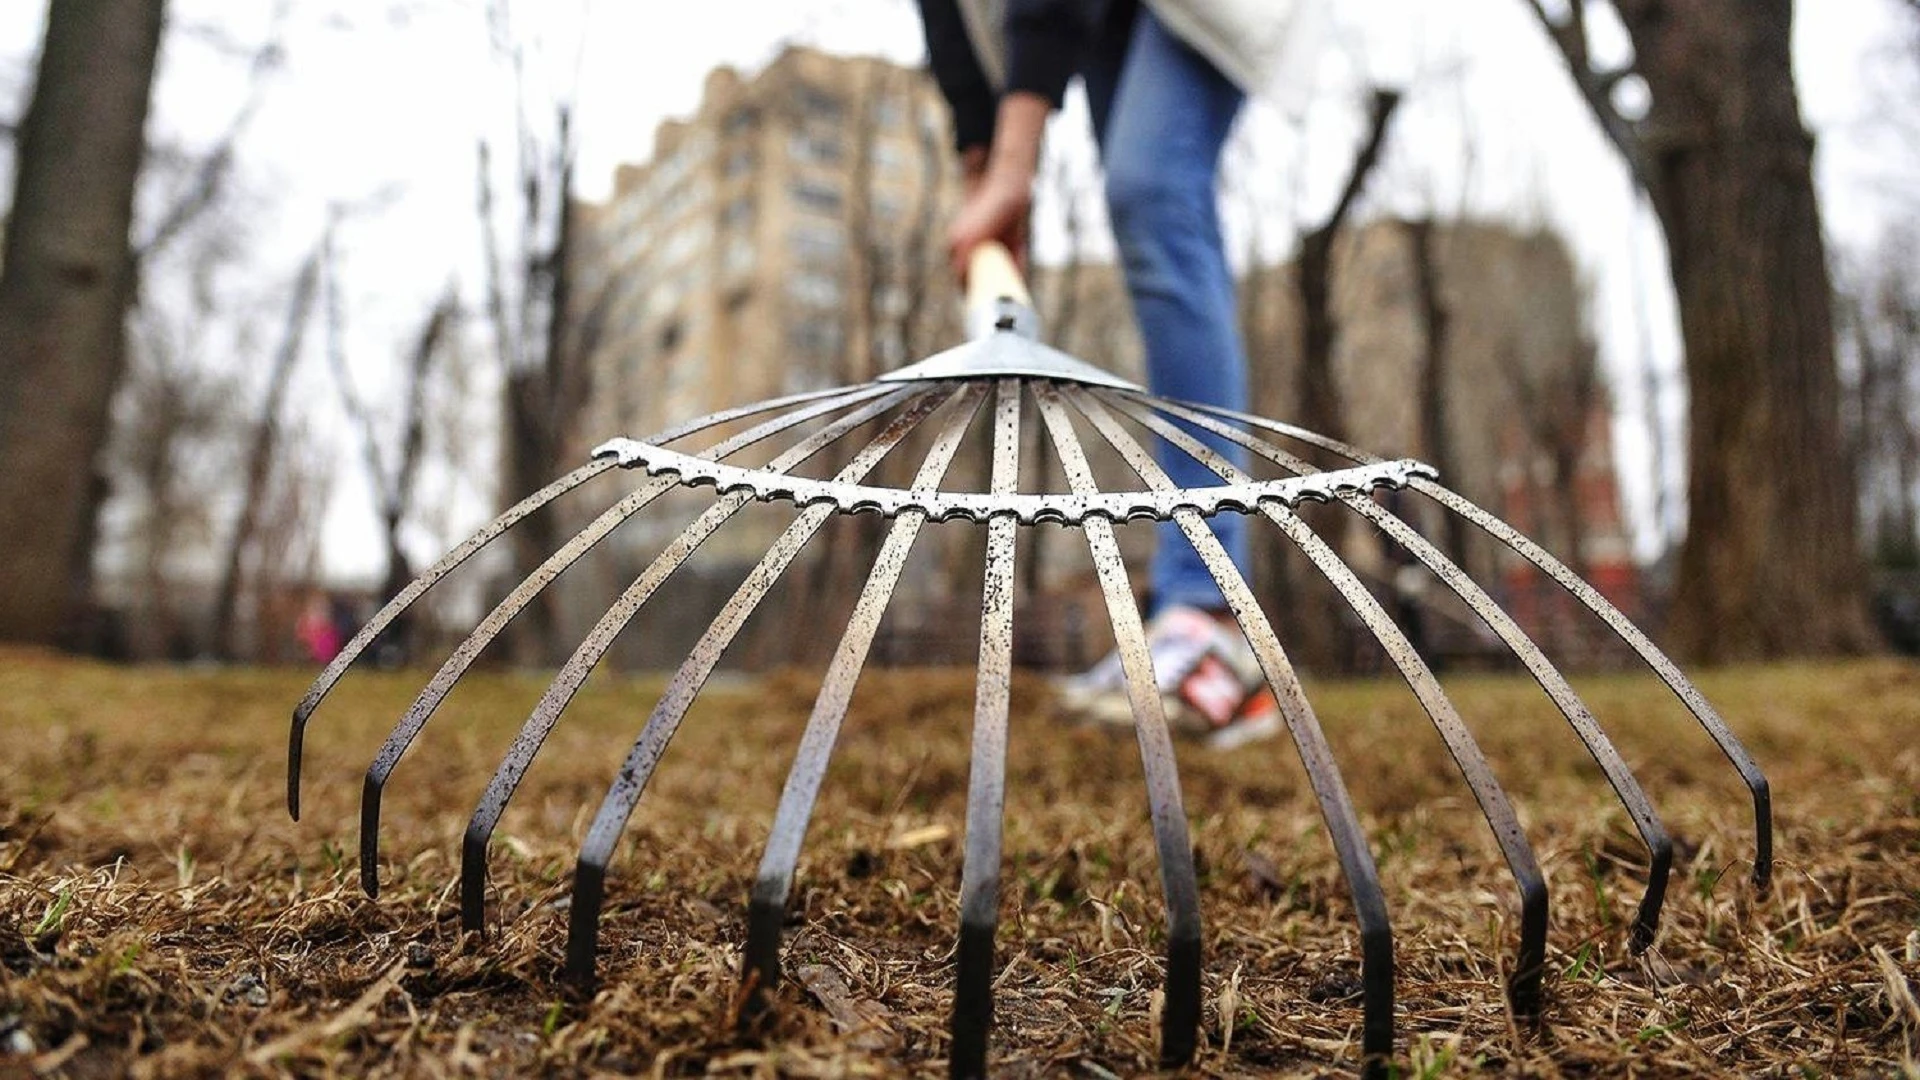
point(161, 915)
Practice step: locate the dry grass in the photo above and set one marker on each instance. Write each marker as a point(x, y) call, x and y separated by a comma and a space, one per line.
point(160, 915)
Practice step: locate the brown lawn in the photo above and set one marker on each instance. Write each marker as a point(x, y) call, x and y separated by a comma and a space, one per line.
point(160, 915)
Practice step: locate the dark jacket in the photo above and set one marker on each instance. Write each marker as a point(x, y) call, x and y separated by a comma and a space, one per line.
point(1047, 40)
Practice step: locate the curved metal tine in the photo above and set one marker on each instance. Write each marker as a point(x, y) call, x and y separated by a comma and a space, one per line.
point(410, 724)
point(375, 626)
point(1180, 1022)
point(1529, 962)
point(1183, 409)
point(589, 882)
point(1669, 673)
point(296, 735)
point(767, 909)
point(1323, 772)
point(987, 773)
point(1647, 823)
point(493, 802)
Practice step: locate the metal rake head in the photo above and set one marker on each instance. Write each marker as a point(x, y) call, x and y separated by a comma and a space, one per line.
point(1010, 374)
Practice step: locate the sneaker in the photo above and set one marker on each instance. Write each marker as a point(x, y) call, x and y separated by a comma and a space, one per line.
point(1207, 676)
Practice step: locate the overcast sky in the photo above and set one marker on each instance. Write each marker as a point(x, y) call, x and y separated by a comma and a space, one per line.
point(390, 98)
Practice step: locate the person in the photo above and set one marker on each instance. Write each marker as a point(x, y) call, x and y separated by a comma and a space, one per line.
point(1162, 103)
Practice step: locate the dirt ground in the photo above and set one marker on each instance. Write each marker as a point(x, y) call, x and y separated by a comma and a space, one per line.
point(160, 915)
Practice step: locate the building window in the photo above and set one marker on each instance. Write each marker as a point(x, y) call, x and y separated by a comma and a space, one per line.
point(738, 299)
point(814, 149)
point(738, 262)
point(683, 242)
point(817, 242)
point(890, 343)
point(738, 213)
point(815, 103)
point(741, 119)
point(739, 163)
point(887, 208)
point(817, 195)
point(888, 112)
point(811, 287)
point(671, 335)
point(816, 337)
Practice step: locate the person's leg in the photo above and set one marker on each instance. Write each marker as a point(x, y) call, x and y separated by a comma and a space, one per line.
point(1164, 127)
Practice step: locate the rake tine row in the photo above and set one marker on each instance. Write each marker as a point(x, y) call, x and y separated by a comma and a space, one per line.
point(1669, 673)
point(1524, 987)
point(1323, 772)
point(773, 884)
point(987, 772)
point(469, 649)
point(513, 768)
point(377, 625)
point(603, 834)
point(1619, 777)
point(1180, 1019)
point(1662, 666)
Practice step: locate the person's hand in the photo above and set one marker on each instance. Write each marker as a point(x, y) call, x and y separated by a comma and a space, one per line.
point(998, 183)
point(996, 209)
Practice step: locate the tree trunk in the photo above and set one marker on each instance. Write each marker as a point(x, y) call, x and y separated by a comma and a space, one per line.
point(64, 292)
point(1771, 563)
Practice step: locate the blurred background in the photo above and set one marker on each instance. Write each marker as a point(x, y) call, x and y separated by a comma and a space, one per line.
point(298, 294)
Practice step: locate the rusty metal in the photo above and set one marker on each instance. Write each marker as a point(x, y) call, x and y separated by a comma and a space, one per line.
point(1020, 384)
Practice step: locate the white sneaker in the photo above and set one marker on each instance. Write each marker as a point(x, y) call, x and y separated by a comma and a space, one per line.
point(1208, 679)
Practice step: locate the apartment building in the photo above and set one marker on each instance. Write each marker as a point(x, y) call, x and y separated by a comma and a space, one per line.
point(783, 238)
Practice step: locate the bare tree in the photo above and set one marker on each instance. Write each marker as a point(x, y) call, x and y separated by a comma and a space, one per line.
point(393, 473)
point(1436, 371)
point(542, 349)
point(1771, 563)
point(1881, 312)
point(1318, 392)
point(64, 289)
point(175, 418)
point(264, 447)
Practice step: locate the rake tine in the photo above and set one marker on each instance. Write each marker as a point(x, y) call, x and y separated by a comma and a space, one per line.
point(296, 736)
point(1662, 666)
point(1323, 773)
point(987, 774)
point(322, 685)
point(1181, 1019)
point(1183, 409)
point(589, 882)
point(1619, 776)
point(773, 884)
point(469, 649)
point(1646, 820)
point(1650, 654)
point(493, 802)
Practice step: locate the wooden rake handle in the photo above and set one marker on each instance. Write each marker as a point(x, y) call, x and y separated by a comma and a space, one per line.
point(992, 275)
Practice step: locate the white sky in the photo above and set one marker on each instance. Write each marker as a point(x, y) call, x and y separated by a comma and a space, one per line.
point(391, 97)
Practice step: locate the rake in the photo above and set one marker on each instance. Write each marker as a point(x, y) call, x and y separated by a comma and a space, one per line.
point(1005, 370)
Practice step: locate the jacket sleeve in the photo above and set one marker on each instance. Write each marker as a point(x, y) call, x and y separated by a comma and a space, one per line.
point(957, 71)
point(1045, 42)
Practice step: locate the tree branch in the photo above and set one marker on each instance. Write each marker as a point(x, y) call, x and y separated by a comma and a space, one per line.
point(1569, 36)
point(210, 177)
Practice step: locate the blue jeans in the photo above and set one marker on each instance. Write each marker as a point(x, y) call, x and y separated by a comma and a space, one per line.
point(1161, 113)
